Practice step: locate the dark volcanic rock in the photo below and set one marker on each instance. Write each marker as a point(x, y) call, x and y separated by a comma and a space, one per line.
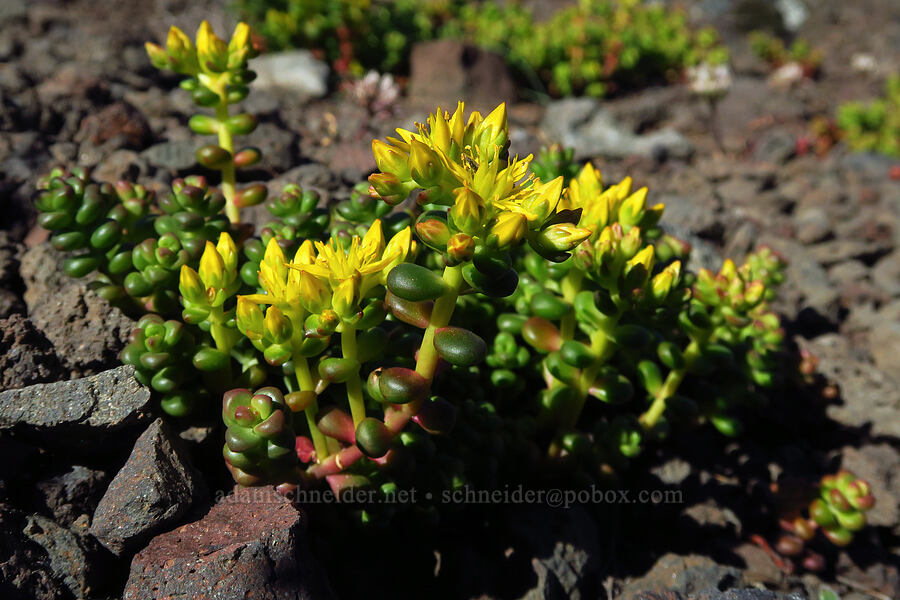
point(26, 572)
point(84, 407)
point(66, 554)
point(72, 493)
point(687, 575)
point(251, 544)
point(86, 331)
point(154, 489)
point(26, 356)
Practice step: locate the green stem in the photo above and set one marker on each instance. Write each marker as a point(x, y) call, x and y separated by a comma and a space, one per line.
point(228, 181)
point(306, 383)
point(652, 415)
point(570, 286)
point(223, 339)
point(440, 317)
point(354, 385)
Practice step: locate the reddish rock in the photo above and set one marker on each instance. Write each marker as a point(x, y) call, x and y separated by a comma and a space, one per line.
point(250, 545)
point(113, 121)
point(445, 71)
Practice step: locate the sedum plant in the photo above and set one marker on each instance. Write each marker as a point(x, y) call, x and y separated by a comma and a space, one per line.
point(873, 127)
point(507, 322)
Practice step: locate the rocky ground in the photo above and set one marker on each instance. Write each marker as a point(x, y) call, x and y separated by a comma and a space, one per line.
point(97, 495)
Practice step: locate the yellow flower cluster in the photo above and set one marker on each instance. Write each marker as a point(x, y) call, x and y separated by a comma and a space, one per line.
point(463, 164)
point(324, 277)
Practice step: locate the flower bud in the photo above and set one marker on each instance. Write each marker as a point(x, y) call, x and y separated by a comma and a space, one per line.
point(425, 166)
point(509, 229)
point(468, 210)
point(460, 248)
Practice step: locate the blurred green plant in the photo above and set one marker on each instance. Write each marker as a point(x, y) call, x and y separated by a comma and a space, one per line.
point(773, 51)
point(593, 48)
point(873, 126)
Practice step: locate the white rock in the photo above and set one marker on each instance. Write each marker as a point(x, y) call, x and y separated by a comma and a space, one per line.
point(296, 71)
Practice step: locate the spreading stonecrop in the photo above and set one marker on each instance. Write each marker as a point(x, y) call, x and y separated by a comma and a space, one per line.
point(507, 324)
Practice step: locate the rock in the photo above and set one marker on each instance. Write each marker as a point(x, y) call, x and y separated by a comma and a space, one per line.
point(66, 556)
point(812, 225)
point(26, 571)
point(735, 594)
point(88, 407)
point(153, 491)
point(835, 251)
point(296, 71)
point(776, 146)
point(278, 146)
point(869, 396)
point(672, 472)
point(848, 272)
point(688, 575)
point(563, 544)
point(85, 330)
point(175, 156)
point(13, 10)
point(581, 123)
point(120, 121)
point(73, 493)
point(884, 345)
point(880, 466)
point(807, 288)
point(121, 164)
point(709, 514)
point(252, 543)
point(703, 254)
point(444, 71)
point(26, 356)
point(696, 214)
point(10, 303)
point(758, 565)
point(886, 274)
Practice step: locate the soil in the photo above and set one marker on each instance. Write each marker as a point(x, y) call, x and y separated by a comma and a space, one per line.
point(76, 87)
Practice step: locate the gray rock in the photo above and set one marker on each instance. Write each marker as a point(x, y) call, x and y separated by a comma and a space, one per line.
point(884, 345)
point(66, 556)
point(73, 493)
point(156, 487)
point(838, 250)
point(175, 156)
point(26, 355)
point(703, 254)
point(807, 285)
point(13, 9)
point(85, 330)
point(562, 543)
point(848, 272)
point(444, 71)
point(252, 543)
point(869, 396)
point(697, 214)
point(581, 123)
point(296, 71)
point(688, 575)
point(886, 274)
point(278, 146)
point(121, 164)
point(25, 568)
point(85, 407)
point(812, 224)
point(672, 472)
point(879, 465)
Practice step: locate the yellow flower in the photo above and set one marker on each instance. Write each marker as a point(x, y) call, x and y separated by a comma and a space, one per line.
point(282, 285)
point(348, 273)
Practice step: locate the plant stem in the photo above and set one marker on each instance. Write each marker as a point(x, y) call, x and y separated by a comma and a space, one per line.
point(396, 417)
point(306, 383)
point(570, 286)
point(228, 181)
point(652, 415)
point(354, 385)
point(440, 317)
